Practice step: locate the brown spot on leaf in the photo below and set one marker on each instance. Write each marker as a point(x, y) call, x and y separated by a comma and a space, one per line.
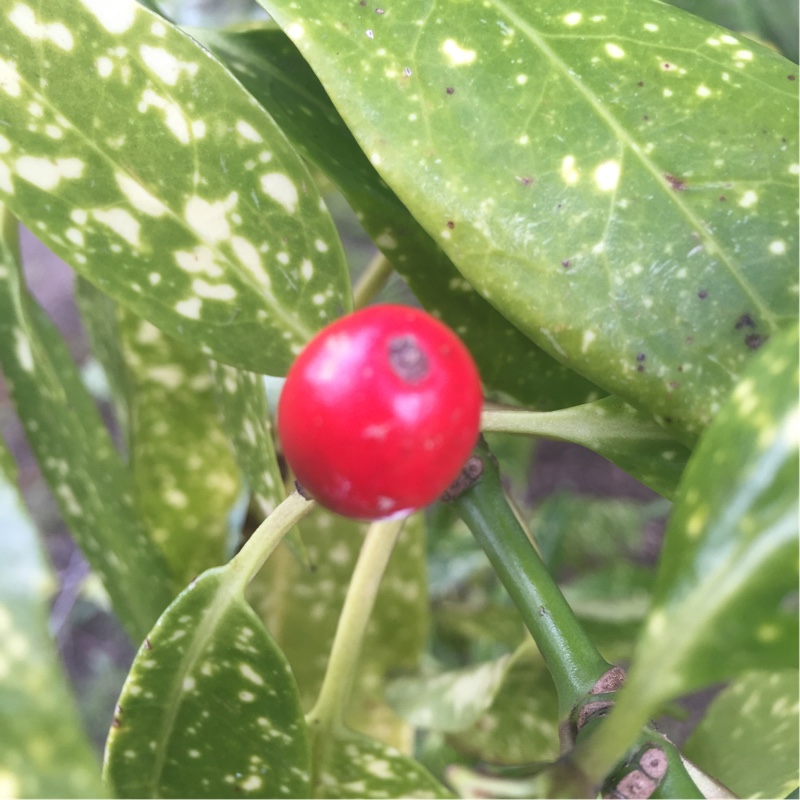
point(641, 357)
point(450, 89)
point(790, 77)
point(676, 183)
point(524, 180)
point(147, 645)
point(565, 263)
point(451, 224)
point(755, 340)
point(702, 294)
point(745, 321)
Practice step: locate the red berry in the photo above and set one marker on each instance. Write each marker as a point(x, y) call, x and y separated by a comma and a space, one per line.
point(379, 412)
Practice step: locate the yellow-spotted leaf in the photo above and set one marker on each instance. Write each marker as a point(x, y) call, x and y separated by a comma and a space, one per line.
point(617, 177)
point(187, 480)
point(725, 593)
point(301, 609)
point(210, 707)
point(43, 751)
point(275, 73)
point(94, 489)
point(748, 738)
point(158, 178)
point(358, 767)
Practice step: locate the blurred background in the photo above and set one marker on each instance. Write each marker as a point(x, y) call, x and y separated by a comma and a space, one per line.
point(575, 501)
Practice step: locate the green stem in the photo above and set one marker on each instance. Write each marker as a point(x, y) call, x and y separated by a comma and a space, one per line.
point(572, 659)
point(374, 278)
point(337, 685)
point(267, 536)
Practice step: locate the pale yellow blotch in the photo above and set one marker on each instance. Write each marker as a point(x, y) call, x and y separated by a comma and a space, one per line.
point(173, 115)
point(650, 26)
point(295, 31)
point(744, 55)
point(573, 18)
point(121, 222)
point(9, 785)
point(768, 633)
point(777, 247)
point(281, 189)
point(457, 55)
point(749, 198)
point(614, 50)
point(23, 351)
point(165, 66)
point(569, 174)
point(22, 17)
point(247, 131)
point(251, 675)
point(606, 176)
point(139, 197)
point(209, 219)
point(188, 684)
point(251, 783)
point(46, 174)
point(114, 17)
point(189, 308)
point(703, 91)
point(696, 524)
point(728, 39)
point(9, 78)
point(211, 291)
point(588, 338)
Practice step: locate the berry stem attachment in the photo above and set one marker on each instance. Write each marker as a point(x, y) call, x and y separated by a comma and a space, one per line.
point(329, 710)
point(572, 659)
point(372, 280)
point(267, 536)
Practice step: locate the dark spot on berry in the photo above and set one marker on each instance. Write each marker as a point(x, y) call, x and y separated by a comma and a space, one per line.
point(451, 224)
point(745, 321)
point(450, 90)
point(641, 357)
point(676, 183)
point(702, 294)
point(755, 340)
point(407, 359)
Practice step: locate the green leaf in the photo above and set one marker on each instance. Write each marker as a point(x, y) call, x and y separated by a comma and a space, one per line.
point(776, 21)
point(621, 176)
point(272, 69)
point(629, 438)
point(521, 725)
point(186, 478)
point(242, 400)
point(93, 487)
point(301, 609)
point(177, 194)
point(210, 707)
point(748, 738)
point(450, 701)
point(723, 600)
point(43, 750)
point(360, 767)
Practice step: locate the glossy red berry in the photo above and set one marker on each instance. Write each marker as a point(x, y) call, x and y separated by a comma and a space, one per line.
point(379, 412)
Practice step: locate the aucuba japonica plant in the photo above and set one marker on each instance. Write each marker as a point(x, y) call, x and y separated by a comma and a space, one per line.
point(584, 224)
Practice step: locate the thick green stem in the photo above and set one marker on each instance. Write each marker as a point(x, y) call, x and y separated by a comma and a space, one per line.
point(375, 277)
point(337, 685)
point(572, 659)
point(267, 536)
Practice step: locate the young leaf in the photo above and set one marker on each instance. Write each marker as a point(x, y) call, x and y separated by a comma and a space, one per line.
point(43, 751)
point(93, 487)
point(210, 707)
point(275, 73)
point(177, 194)
point(748, 738)
point(621, 177)
point(723, 596)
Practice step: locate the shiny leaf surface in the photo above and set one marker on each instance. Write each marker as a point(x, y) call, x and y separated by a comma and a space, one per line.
point(272, 69)
point(177, 194)
point(723, 600)
point(619, 179)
